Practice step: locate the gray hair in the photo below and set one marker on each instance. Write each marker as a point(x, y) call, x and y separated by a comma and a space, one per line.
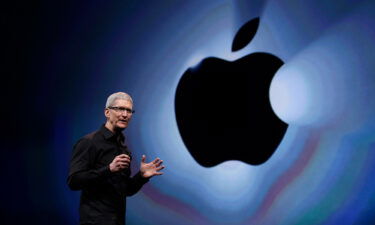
point(118, 95)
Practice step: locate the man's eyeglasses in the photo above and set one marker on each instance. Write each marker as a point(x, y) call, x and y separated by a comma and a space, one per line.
point(121, 109)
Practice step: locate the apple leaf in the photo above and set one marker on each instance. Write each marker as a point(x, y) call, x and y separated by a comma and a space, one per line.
point(245, 34)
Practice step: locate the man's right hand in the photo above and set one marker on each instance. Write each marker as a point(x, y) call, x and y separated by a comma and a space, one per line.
point(120, 162)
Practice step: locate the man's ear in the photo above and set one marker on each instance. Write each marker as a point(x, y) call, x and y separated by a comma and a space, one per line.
point(106, 112)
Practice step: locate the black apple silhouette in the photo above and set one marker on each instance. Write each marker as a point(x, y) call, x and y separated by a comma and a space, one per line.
point(223, 110)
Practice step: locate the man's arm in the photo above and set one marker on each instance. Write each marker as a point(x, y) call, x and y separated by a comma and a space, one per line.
point(135, 183)
point(80, 173)
point(147, 170)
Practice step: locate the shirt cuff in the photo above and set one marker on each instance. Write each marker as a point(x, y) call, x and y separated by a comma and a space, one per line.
point(104, 171)
point(140, 178)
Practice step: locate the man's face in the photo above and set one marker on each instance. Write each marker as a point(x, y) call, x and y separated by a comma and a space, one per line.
point(119, 114)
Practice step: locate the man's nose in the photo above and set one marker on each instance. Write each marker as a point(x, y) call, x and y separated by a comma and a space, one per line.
point(124, 113)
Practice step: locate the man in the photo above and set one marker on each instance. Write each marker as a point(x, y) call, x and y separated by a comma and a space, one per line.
point(100, 167)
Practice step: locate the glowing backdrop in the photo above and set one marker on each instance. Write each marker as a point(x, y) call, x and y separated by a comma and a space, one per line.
point(321, 172)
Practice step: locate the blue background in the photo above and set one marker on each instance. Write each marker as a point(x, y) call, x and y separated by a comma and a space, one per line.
point(62, 60)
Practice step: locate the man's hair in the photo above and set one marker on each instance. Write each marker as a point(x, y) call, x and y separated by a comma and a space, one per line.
point(118, 95)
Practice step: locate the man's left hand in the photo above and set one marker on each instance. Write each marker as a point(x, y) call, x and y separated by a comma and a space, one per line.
point(152, 168)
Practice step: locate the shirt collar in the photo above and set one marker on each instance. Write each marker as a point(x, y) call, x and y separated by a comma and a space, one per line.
point(108, 134)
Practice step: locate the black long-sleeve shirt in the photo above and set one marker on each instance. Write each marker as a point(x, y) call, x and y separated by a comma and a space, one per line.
point(103, 196)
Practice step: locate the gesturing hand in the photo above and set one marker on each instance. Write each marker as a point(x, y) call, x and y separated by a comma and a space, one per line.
point(152, 168)
point(120, 162)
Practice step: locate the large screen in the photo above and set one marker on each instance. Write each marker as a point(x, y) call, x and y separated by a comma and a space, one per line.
point(319, 169)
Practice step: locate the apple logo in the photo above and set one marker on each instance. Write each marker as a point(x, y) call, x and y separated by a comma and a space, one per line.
point(223, 110)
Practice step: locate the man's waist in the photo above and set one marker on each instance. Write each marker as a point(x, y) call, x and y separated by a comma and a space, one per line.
point(110, 219)
point(105, 208)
